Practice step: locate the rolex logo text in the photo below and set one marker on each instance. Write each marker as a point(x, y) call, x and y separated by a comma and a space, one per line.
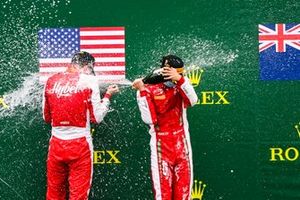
point(278, 154)
point(214, 98)
point(106, 157)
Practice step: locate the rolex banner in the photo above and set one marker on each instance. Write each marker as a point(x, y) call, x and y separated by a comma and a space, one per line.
point(241, 58)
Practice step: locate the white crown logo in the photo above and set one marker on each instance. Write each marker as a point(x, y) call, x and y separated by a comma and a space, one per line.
point(198, 190)
point(194, 73)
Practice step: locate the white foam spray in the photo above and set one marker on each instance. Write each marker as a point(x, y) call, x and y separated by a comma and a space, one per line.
point(29, 94)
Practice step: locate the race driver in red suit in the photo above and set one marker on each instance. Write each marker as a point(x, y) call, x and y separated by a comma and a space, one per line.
point(71, 101)
point(163, 107)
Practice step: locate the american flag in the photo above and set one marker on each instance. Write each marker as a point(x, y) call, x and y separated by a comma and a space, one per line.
point(106, 44)
point(279, 51)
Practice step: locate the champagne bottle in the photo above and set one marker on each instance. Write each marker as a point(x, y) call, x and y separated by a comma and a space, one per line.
point(154, 77)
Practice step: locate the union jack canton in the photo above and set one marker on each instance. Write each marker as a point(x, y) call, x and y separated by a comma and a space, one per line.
point(279, 51)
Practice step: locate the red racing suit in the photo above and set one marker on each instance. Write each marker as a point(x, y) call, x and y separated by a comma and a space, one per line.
point(70, 102)
point(164, 109)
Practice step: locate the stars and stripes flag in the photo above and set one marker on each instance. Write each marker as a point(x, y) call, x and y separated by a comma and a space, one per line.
point(279, 51)
point(106, 44)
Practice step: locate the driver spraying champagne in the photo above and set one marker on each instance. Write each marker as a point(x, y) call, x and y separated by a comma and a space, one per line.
point(71, 101)
point(163, 97)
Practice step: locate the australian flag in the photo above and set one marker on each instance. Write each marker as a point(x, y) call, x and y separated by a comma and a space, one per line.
point(279, 51)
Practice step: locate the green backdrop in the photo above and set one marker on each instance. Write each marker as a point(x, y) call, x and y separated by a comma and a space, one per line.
point(232, 143)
